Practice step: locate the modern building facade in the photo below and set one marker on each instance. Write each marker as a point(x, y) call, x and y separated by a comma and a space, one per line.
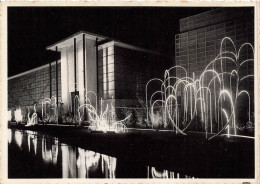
point(200, 38)
point(91, 67)
point(199, 43)
point(31, 87)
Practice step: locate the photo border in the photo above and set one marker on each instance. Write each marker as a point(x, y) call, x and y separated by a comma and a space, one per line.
point(4, 92)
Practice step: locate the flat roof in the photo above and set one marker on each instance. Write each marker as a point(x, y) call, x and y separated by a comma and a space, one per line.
point(79, 36)
point(127, 46)
point(70, 40)
point(32, 70)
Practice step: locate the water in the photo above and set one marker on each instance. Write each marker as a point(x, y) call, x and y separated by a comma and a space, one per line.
point(34, 154)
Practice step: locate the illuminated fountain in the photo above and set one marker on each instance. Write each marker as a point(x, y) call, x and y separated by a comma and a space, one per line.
point(34, 119)
point(9, 115)
point(49, 155)
point(49, 110)
point(104, 120)
point(76, 117)
point(213, 97)
point(18, 115)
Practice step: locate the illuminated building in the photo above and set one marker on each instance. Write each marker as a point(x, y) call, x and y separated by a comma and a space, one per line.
point(199, 41)
point(200, 37)
point(115, 71)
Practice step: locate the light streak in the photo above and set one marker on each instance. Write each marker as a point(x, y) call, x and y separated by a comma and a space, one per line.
point(34, 119)
point(198, 93)
point(9, 115)
point(18, 115)
point(50, 114)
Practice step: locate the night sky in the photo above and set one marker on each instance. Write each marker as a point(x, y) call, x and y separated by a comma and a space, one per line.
point(32, 29)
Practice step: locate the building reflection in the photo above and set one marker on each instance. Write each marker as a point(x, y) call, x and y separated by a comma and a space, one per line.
point(49, 150)
point(9, 136)
point(32, 138)
point(34, 141)
point(81, 163)
point(75, 162)
point(18, 136)
point(68, 161)
point(156, 173)
point(108, 166)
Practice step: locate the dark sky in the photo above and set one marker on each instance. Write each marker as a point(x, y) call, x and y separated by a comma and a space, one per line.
point(31, 29)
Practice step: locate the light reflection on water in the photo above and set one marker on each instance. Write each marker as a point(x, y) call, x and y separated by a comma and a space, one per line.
point(74, 162)
point(164, 174)
point(9, 136)
point(32, 137)
point(18, 138)
point(49, 152)
point(87, 163)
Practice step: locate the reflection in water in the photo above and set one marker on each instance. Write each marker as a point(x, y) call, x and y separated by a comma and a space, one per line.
point(32, 137)
point(68, 161)
point(18, 138)
point(49, 150)
point(108, 166)
point(9, 136)
point(81, 163)
point(158, 174)
point(164, 174)
point(92, 160)
point(87, 163)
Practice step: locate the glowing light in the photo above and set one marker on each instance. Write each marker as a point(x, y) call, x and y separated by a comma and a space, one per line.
point(211, 98)
point(103, 121)
point(32, 135)
point(9, 136)
point(34, 119)
point(49, 110)
point(226, 116)
point(18, 115)
point(18, 136)
point(157, 174)
point(9, 115)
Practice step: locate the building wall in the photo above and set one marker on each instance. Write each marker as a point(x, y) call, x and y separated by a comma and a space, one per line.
point(124, 73)
point(134, 70)
point(213, 17)
point(199, 43)
point(197, 47)
point(118, 77)
point(68, 71)
point(32, 87)
point(106, 72)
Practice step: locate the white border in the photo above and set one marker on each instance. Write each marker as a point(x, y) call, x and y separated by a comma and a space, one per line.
point(3, 88)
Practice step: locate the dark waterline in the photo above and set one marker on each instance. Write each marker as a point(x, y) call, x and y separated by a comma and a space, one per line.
point(34, 154)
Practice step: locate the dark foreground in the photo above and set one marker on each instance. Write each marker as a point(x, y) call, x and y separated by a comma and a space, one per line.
point(52, 151)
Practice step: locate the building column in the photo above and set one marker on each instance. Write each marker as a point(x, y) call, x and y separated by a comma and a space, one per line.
point(98, 95)
point(57, 80)
point(50, 79)
point(75, 65)
point(84, 68)
point(57, 87)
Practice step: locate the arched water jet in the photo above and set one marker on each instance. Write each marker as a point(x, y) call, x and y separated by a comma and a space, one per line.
point(34, 119)
point(174, 124)
point(246, 92)
point(146, 86)
point(228, 84)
